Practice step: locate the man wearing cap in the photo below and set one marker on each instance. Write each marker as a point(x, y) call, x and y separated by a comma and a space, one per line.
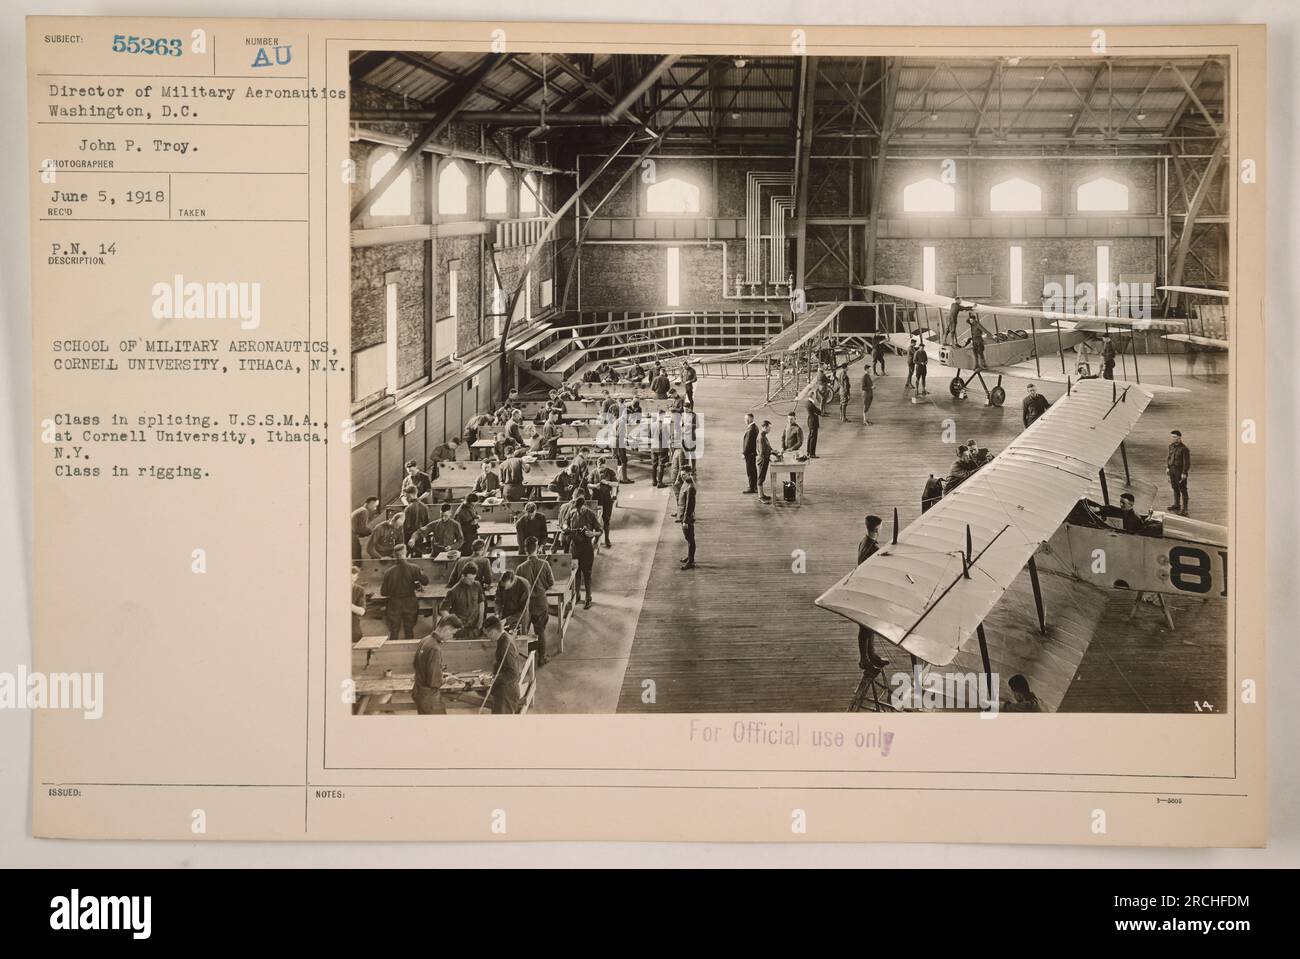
point(1179, 463)
point(1033, 406)
point(843, 384)
point(977, 342)
point(867, 657)
point(749, 450)
point(401, 582)
point(427, 688)
point(362, 519)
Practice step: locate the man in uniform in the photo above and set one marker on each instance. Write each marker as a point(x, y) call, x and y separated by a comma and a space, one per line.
point(977, 342)
point(688, 382)
point(1035, 404)
point(868, 393)
point(509, 667)
point(358, 603)
point(1108, 360)
point(467, 516)
point(401, 583)
point(911, 364)
point(602, 491)
point(932, 493)
point(467, 601)
point(922, 360)
point(814, 424)
point(581, 526)
point(661, 441)
point(512, 479)
point(764, 459)
point(427, 690)
point(478, 561)
point(386, 536)
point(749, 450)
point(1179, 464)
point(792, 438)
point(415, 516)
point(878, 354)
point(867, 658)
point(445, 533)
point(362, 519)
point(531, 525)
point(843, 385)
point(488, 481)
point(512, 600)
point(660, 384)
point(444, 453)
point(536, 572)
point(417, 479)
point(686, 516)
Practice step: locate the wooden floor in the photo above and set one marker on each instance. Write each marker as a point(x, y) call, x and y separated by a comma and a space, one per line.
point(741, 633)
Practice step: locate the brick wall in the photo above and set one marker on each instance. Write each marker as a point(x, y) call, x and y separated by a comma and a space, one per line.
point(370, 264)
point(900, 261)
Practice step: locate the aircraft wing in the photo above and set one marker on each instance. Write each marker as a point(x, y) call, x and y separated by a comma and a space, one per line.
point(1069, 321)
point(1027, 372)
point(1194, 290)
point(914, 593)
point(1204, 342)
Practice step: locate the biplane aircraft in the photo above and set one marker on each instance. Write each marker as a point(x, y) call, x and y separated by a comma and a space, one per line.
point(1009, 348)
point(1206, 318)
point(931, 588)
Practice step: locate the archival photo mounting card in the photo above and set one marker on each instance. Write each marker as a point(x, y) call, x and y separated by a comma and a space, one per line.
point(551, 431)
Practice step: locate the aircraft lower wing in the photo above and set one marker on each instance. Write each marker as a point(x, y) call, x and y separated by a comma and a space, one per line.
point(1204, 342)
point(1028, 372)
point(920, 594)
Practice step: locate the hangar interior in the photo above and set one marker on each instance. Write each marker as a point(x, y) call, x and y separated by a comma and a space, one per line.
point(526, 222)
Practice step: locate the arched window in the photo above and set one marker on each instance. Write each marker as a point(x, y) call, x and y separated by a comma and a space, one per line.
point(494, 193)
point(528, 190)
point(1103, 193)
point(396, 200)
point(453, 190)
point(1015, 196)
point(929, 196)
point(672, 196)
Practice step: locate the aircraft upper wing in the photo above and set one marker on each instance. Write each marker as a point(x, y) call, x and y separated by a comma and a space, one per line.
point(1196, 290)
point(1086, 321)
point(914, 593)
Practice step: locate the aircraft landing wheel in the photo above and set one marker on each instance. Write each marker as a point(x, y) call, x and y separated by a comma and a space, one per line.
point(957, 388)
point(997, 396)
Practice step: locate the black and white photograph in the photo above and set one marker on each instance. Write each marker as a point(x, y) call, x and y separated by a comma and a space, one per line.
point(723, 383)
